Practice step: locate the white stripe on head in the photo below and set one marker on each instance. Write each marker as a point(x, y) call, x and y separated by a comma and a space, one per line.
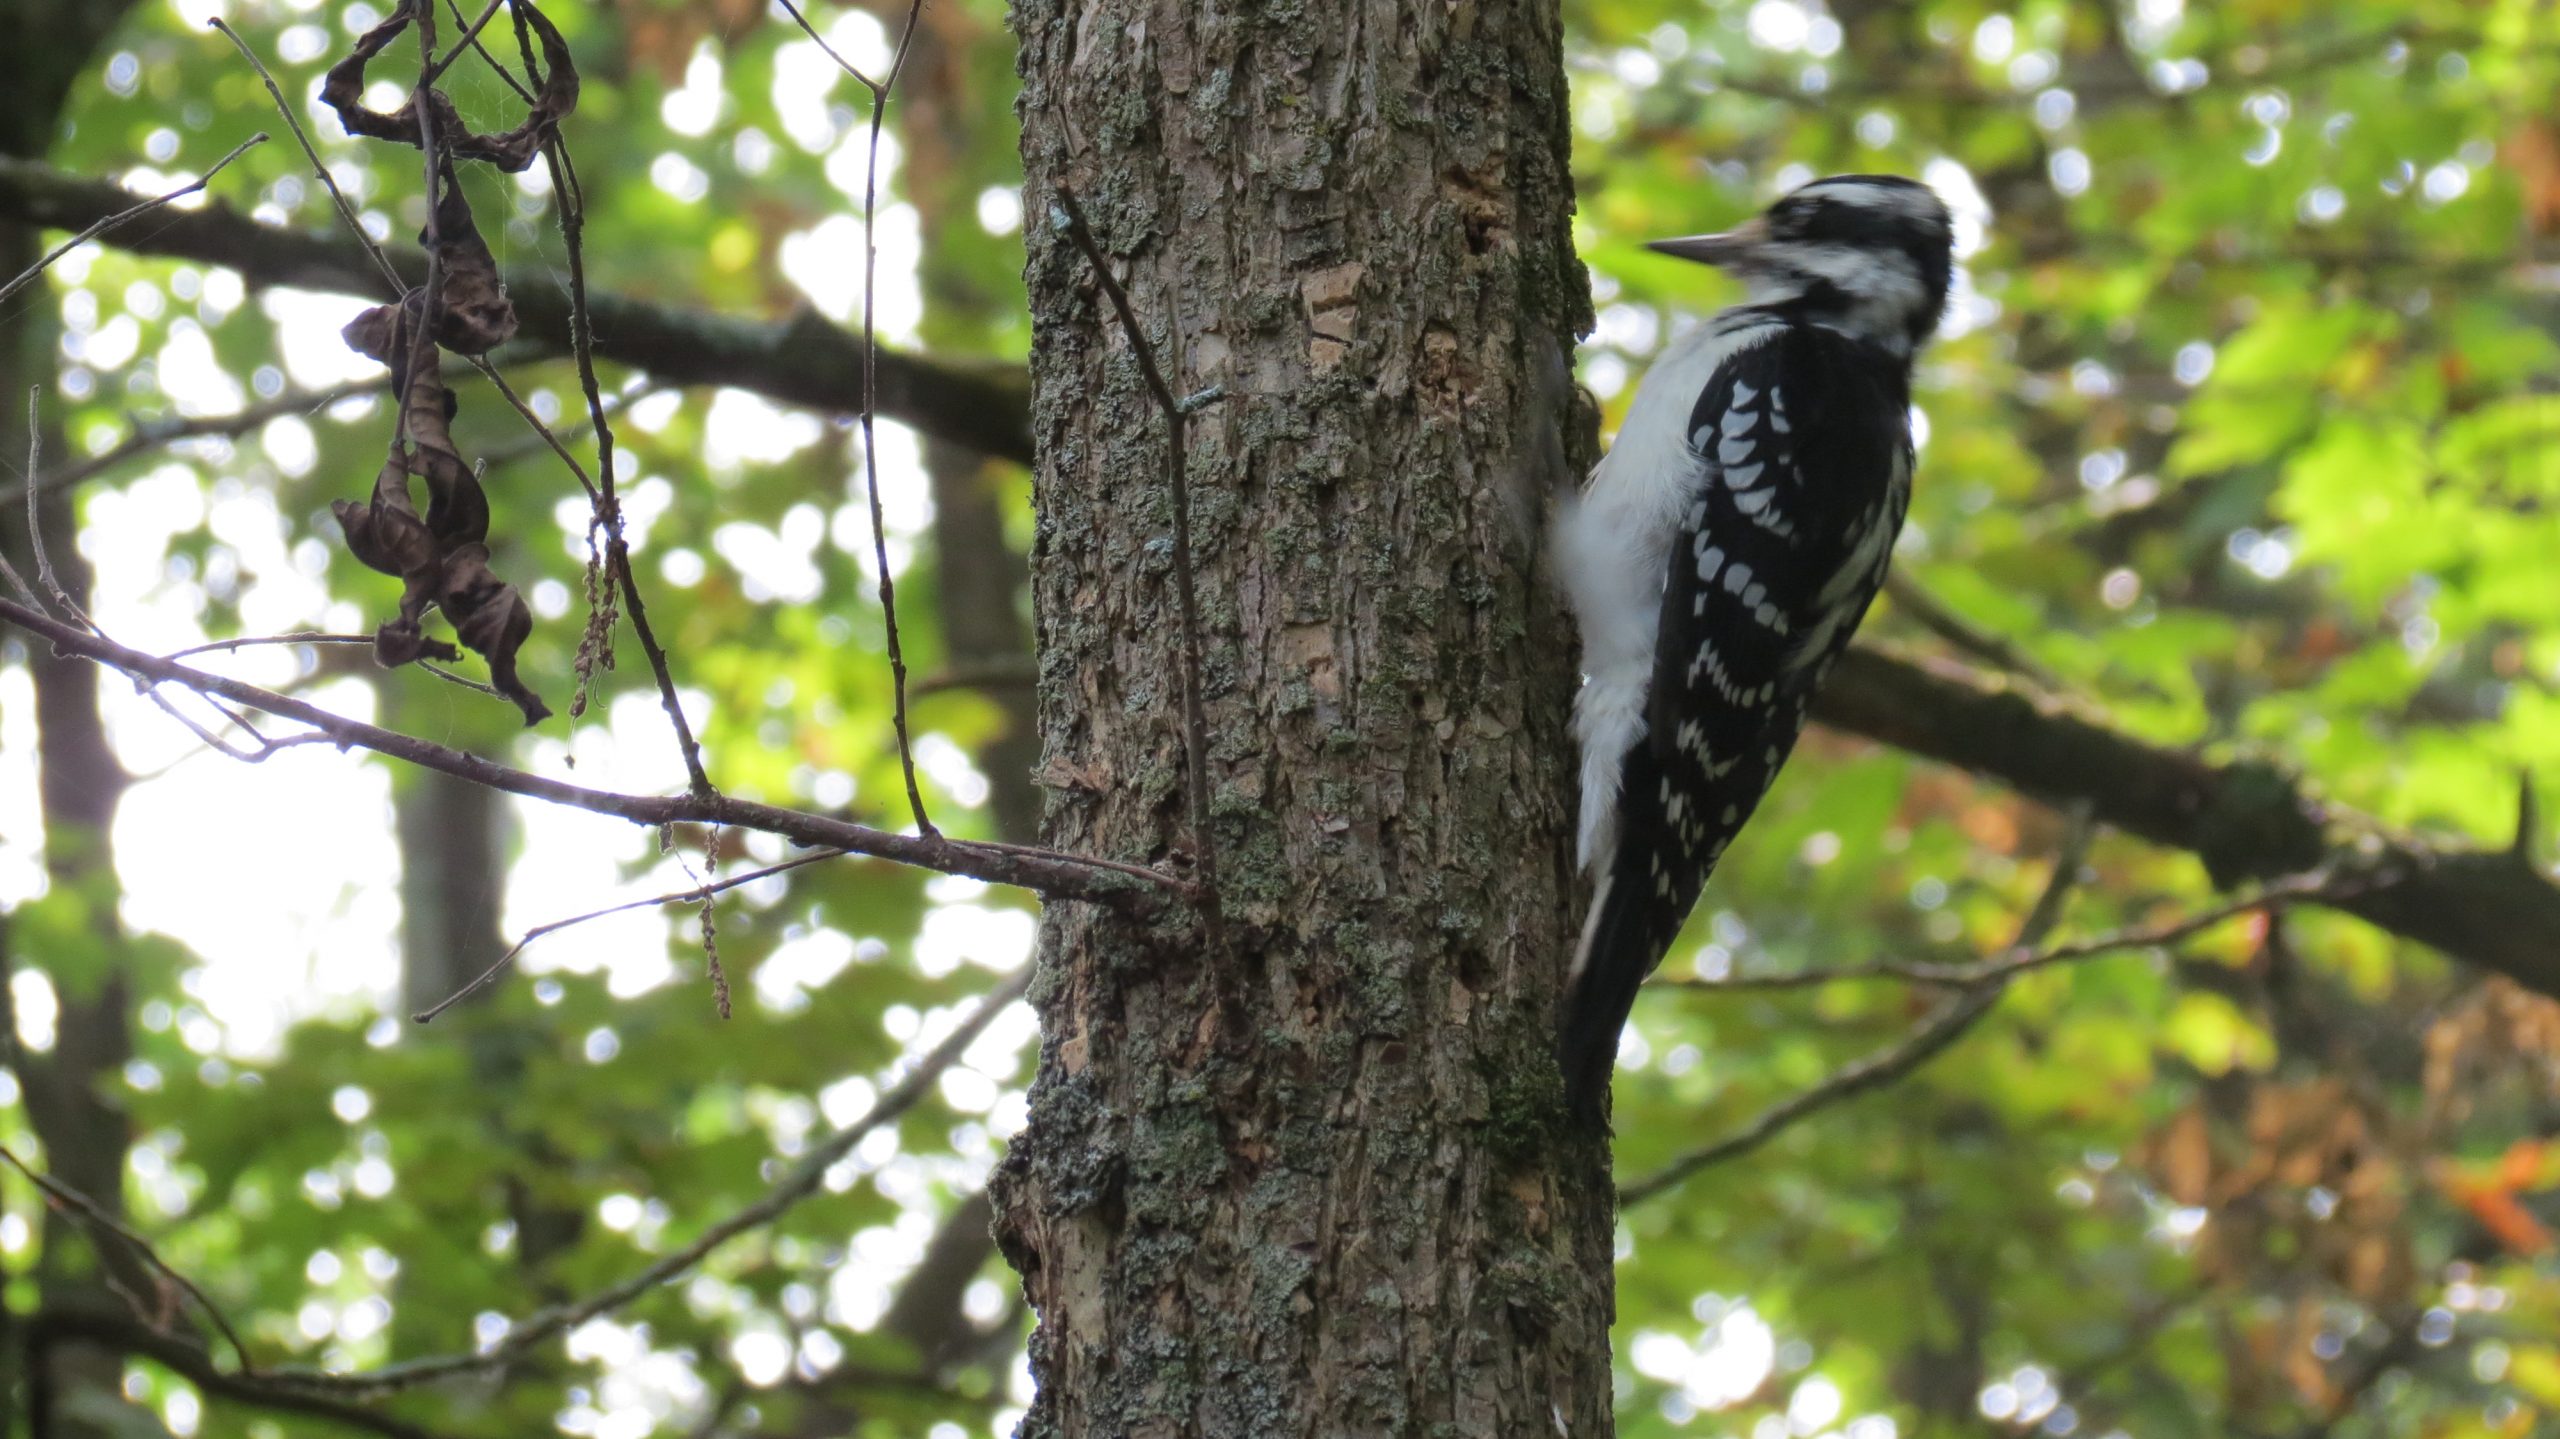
point(1881, 291)
point(1913, 201)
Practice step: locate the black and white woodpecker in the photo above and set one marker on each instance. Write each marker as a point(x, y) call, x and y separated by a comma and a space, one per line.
point(1723, 553)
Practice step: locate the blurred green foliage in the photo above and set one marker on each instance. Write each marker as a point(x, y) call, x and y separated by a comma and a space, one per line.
point(2244, 428)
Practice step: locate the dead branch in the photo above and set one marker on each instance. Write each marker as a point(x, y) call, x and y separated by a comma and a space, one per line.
point(1049, 872)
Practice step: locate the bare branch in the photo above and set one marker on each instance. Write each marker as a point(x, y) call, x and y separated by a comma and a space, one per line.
point(35, 525)
point(470, 41)
point(150, 434)
point(319, 170)
point(699, 892)
point(28, 275)
point(1049, 872)
point(842, 63)
point(180, 1355)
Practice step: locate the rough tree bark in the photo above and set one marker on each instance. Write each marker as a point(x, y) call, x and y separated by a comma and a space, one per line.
point(1315, 1179)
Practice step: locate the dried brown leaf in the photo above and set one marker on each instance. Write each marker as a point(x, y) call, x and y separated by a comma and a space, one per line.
point(342, 90)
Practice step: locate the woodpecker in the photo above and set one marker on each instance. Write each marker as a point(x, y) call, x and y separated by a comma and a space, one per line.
point(1724, 551)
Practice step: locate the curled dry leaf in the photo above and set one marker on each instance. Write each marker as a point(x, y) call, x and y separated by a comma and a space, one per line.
point(477, 315)
point(342, 90)
point(442, 557)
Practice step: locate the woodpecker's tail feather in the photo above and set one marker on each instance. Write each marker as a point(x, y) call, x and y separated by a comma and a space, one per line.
point(1621, 943)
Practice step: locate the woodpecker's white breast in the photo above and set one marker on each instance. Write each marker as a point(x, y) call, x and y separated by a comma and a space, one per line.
point(1613, 547)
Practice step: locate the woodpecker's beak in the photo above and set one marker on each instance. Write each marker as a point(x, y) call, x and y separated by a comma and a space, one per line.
point(1727, 249)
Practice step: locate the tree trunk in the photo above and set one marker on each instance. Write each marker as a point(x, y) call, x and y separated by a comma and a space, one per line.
point(71, 1092)
point(1316, 1180)
point(453, 881)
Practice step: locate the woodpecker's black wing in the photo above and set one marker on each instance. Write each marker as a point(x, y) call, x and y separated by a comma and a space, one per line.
point(1804, 440)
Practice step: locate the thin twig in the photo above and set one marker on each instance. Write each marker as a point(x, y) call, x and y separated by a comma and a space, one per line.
point(2317, 887)
point(503, 73)
point(542, 432)
point(243, 642)
point(1195, 729)
point(571, 200)
point(28, 275)
point(211, 740)
point(871, 388)
point(431, 302)
point(319, 637)
point(1050, 872)
point(152, 434)
point(544, 437)
point(440, 672)
point(1884, 1066)
point(319, 169)
point(681, 896)
point(18, 582)
point(35, 521)
point(842, 63)
point(99, 1219)
point(1933, 614)
point(470, 41)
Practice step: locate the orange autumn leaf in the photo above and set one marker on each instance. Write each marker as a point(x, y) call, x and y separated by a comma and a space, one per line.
point(2489, 1195)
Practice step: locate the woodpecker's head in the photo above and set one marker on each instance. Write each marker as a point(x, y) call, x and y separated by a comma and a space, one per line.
point(1868, 254)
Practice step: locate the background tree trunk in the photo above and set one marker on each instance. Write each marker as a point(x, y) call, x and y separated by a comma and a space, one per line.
point(71, 1093)
point(1317, 1181)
